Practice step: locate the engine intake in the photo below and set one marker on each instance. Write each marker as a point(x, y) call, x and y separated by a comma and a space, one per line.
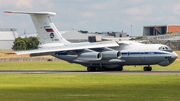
point(111, 54)
point(90, 56)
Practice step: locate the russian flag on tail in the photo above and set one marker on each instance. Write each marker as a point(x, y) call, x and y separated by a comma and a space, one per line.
point(48, 29)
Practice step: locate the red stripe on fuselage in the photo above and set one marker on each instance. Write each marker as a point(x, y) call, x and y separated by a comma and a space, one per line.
point(50, 31)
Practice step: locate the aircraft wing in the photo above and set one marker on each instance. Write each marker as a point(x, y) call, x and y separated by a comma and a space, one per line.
point(71, 47)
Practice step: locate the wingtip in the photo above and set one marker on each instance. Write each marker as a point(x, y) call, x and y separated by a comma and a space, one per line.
point(11, 53)
point(7, 11)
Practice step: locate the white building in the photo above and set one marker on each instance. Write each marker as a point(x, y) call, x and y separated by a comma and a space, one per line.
point(7, 37)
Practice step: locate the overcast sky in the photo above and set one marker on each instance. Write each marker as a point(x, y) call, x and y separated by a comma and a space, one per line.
point(93, 15)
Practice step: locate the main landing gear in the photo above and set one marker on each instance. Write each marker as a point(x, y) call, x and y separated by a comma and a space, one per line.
point(149, 68)
point(97, 68)
point(119, 68)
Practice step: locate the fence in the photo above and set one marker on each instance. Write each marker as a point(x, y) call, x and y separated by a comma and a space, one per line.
point(28, 59)
point(173, 36)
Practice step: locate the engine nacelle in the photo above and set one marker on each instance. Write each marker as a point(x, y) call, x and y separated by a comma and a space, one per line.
point(111, 54)
point(90, 56)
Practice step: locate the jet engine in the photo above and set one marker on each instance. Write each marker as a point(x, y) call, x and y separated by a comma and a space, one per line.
point(90, 56)
point(111, 54)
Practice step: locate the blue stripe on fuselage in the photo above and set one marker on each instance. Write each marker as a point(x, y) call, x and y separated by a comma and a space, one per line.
point(123, 53)
point(138, 53)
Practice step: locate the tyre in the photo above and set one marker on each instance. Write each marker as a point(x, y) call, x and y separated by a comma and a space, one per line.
point(90, 69)
point(147, 68)
point(120, 68)
point(97, 69)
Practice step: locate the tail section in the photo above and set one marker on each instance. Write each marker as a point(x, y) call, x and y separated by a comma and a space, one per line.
point(47, 32)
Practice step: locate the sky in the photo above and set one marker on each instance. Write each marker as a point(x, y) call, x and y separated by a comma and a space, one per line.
point(93, 15)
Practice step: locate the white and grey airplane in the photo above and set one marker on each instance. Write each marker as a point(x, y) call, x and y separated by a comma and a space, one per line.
point(97, 56)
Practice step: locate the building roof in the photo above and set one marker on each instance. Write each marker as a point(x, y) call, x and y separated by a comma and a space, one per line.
point(28, 35)
point(161, 25)
point(75, 35)
point(8, 34)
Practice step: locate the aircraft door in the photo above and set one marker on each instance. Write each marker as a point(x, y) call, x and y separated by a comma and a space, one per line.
point(142, 57)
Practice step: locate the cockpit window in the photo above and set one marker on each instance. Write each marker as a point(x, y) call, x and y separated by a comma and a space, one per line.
point(165, 48)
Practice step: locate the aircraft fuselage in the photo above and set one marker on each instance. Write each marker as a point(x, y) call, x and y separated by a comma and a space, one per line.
point(131, 54)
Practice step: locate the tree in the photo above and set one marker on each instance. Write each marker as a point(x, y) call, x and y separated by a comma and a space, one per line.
point(19, 45)
point(25, 43)
point(81, 31)
point(31, 42)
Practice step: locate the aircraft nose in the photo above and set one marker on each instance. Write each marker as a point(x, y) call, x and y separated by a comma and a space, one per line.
point(174, 55)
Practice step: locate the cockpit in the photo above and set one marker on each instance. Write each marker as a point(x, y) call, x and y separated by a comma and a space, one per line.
point(165, 48)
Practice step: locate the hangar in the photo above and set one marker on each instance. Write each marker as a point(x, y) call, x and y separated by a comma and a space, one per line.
point(160, 29)
point(7, 37)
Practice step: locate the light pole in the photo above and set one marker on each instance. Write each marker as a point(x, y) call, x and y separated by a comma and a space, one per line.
point(131, 30)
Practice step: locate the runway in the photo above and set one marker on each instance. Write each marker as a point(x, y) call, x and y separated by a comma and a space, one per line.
point(85, 72)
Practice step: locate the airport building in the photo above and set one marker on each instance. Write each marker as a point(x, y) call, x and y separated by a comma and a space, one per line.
point(160, 29)
point(7, 37)
point(75, 36)
point(118, 34)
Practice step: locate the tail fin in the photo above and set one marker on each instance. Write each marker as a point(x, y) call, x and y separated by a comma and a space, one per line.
point(47, 32)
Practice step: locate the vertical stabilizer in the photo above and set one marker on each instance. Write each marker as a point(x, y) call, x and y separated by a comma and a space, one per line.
point(47, 32)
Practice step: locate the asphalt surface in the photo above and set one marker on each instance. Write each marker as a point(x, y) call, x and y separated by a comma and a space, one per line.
point(85, 72)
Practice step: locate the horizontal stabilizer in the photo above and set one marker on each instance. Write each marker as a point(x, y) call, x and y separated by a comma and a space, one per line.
point(11, 53)
point(32, 13)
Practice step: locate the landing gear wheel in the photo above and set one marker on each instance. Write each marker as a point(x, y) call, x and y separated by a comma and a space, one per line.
point(120, 68)
point(98, 69)
point(150, 68)
point(147, 68)
point(90, 69)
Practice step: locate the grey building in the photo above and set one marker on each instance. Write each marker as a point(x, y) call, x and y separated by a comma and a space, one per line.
point(94, 38)
point(118, 34)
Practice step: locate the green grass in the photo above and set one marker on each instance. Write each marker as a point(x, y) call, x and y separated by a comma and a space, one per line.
point(48, 65)
point(85, 87)
point(62, 65)
point(88, 87)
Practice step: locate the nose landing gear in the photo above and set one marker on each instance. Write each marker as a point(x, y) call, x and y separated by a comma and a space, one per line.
point(149, 68)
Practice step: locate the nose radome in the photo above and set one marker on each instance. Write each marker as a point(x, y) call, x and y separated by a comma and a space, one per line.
point(174, 55)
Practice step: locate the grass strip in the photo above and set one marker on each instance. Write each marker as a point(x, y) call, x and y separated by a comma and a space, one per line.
point(88, 87)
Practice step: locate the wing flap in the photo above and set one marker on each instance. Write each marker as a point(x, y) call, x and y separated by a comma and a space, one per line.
point(71, 47)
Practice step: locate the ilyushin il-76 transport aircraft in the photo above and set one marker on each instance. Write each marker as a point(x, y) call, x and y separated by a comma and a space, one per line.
point(97, 56)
